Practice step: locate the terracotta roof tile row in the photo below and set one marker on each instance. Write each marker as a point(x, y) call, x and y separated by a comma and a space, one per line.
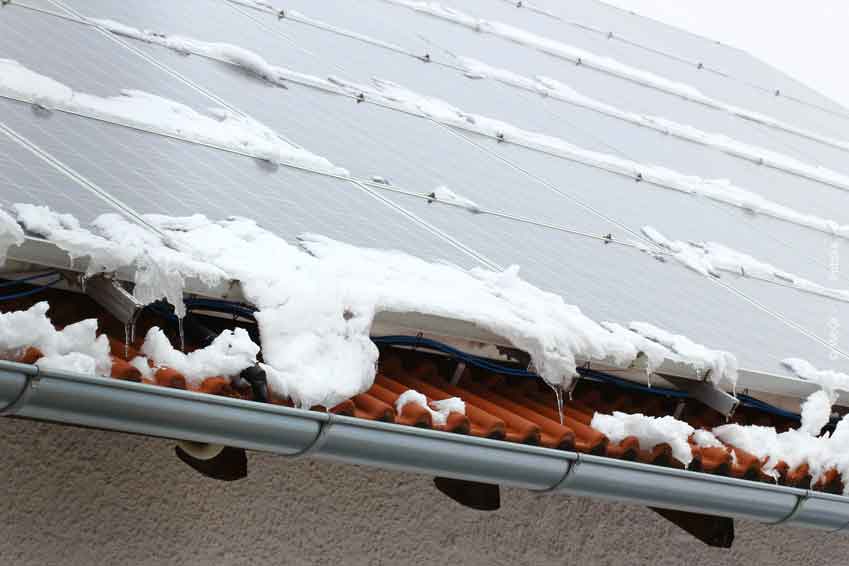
point(508, 408)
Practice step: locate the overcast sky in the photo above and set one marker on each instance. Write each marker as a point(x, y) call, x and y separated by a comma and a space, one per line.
point(807, 39)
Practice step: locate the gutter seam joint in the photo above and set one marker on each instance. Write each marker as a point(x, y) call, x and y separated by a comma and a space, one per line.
point(23, 397)
point(318, 441)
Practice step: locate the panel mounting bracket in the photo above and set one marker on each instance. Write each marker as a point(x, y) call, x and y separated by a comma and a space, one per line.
point(705, 392)
point(111, 295)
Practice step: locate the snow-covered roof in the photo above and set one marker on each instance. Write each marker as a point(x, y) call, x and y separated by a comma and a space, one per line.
point(565, 127)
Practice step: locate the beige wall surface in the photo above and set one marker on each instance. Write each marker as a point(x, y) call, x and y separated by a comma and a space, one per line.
point(80, 497)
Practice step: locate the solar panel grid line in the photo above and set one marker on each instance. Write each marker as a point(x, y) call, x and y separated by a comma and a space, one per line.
point(490, 212)
point(126, 45)
point(826, 342)
point(482, 259)
point(41, 10)
point(701, 65)
point(117, 204)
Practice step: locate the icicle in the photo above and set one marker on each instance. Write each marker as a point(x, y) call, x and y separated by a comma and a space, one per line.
point(182, 334)
point(128, 337)
point(558, 393)
point(130, 334)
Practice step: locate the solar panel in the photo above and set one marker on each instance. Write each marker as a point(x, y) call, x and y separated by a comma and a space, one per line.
point(761, 322)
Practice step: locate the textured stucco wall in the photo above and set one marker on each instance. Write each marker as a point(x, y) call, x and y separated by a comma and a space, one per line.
point(72, 496)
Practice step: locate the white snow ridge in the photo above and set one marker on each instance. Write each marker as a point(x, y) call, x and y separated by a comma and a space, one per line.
point(134, 108)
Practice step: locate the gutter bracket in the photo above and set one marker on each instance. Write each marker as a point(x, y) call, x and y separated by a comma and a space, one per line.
point(705, 392)
point(710, 529)
point(29, 387)
point(472, 494)
point(109, 294)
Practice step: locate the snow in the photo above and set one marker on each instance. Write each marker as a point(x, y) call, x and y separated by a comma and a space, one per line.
point(690, 256)
point(11, 234)
point(231, 352)
point(552, 47)
point(816, 411)
point(831, 381)
point(793, 447)
point(220, 128)
point(141, 363)
point(706, 439)
point(65, 231)
point(709, 258)
point(719, 365)
point(316, 302)
point(650, 431)
point(73, 362)
point(555, 89)
point(77, 347)
point(653, 352)
point(446, 195)
point(606, 64)
point(160, 271)
point(450, 405)
point(439, 410)
point(316, 306)
point(235, 55)
point(19, 82)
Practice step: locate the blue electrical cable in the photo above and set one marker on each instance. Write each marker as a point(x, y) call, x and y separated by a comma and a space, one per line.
point(487, 364)
point(13, 282)
point(30, 292)
point(221, 306)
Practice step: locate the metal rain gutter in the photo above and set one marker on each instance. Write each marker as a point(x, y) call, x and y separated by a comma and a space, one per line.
point(104, 403)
